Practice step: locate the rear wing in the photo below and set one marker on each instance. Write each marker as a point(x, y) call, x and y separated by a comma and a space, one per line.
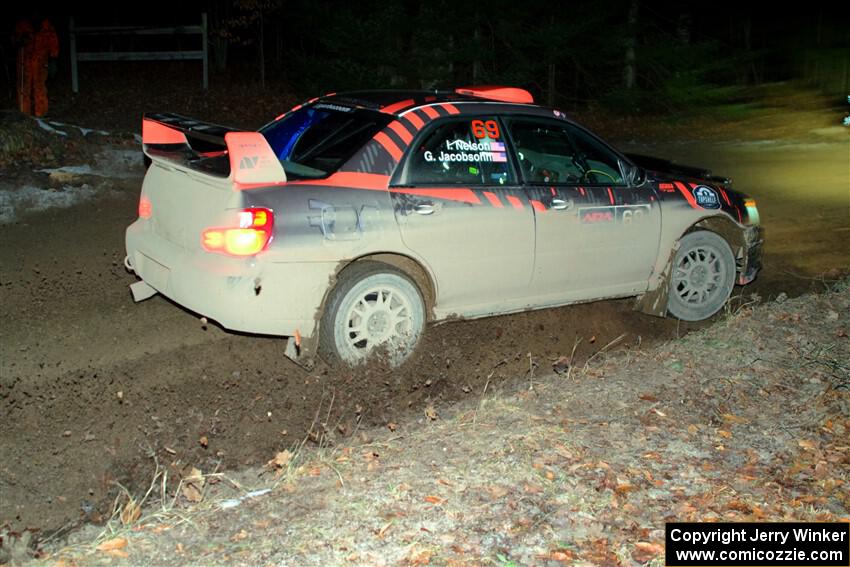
point(245, 158)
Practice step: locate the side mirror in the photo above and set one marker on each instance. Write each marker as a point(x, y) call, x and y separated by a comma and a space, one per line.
point(635, 175)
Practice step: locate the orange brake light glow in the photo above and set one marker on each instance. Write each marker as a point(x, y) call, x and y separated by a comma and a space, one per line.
point(252, 235)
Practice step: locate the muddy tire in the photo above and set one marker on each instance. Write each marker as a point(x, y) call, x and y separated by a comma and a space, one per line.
point(374, 309)
point(702, 276)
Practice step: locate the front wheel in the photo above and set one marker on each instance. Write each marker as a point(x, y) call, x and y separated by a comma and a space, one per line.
point(702, 277)
point(373, 306)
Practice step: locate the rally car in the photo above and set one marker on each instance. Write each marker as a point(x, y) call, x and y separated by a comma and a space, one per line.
point(352, 221)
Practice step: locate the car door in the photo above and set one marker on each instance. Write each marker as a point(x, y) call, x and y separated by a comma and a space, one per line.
point(462, 212)
point(595, 234)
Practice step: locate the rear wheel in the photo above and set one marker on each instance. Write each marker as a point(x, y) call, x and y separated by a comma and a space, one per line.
point(373, 306)
point(702, 277)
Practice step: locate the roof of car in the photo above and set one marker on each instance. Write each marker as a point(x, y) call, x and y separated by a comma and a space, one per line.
point(398, 101)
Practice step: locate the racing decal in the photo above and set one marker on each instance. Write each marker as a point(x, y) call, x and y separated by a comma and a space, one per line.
point(448, 193)
point(706, 197)
point(403, 133)
point(514, 201)
point(667, 187)
point(415, 121)
point(622, 214)
point(686, 194)
point(430, 112)
point(335, 107)
point(158, 133)
point(538, 206)
point(485, 129)
point(725, 196)
point(450, 108)
point(596, 215)
point(342, 222)
point(474, 152)
point(396, 106)
point(352, 179)
point(252, 161)
point(610, 195)
point(389, 145)
point(494, 200)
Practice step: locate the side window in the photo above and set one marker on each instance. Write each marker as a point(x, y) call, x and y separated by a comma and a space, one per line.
point(545, 152)
point(463, 152)
point(602, 164)
point(552, 152)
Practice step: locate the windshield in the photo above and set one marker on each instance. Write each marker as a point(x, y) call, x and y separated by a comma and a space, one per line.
point(315, 141)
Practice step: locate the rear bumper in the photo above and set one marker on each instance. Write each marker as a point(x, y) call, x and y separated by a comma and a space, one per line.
point(241, 294)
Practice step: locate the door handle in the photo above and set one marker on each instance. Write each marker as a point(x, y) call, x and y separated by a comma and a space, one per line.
point(424, 209)
point(560, 204)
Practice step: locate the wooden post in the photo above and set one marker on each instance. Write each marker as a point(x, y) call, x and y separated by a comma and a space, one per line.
point(205, 49)
point(75, 81)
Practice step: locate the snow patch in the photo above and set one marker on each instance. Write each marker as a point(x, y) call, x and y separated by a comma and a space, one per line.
point(45, 126)
point(14, 202)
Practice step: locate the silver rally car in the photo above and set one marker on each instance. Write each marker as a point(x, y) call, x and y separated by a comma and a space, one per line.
point(353, 220)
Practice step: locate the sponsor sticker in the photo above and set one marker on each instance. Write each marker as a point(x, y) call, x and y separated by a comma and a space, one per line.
point(624, 214)
point(706, 197)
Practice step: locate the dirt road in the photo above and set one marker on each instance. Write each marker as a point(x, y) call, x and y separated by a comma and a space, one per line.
point(94, 387)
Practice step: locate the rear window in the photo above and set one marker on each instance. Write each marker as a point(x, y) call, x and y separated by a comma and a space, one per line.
point(315, 141)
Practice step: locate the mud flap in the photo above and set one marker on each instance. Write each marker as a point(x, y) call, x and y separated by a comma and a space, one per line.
point(654, 301)
point(141, 291)
point(298, 355)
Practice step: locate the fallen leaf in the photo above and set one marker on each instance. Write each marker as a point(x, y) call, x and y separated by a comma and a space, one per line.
point(431, 413)
point(496, 491)
point(193, 485)
point(204, 441)
point(130, 513)
point(435, 500)
point(392, 426)
point(807, 444)
point(242, 535)
point(562, 555)
point(384, 529)
point(648, 398)
point(112, 544)
point(725, 434)
point(732, 418)
point(191, 493)
point(280, 461)
point(561, 365)
point(645, 551)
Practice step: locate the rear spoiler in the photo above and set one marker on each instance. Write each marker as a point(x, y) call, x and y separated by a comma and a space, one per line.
point(179, 140)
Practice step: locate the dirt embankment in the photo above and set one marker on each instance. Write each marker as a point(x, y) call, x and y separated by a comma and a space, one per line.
point(96, 391)
point(746, 420)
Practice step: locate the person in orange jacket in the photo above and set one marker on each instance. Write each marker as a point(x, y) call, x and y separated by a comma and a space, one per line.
point(35, 48)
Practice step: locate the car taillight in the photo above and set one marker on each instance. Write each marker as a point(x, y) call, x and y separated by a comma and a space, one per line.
point(251, 236)
point(145, 207)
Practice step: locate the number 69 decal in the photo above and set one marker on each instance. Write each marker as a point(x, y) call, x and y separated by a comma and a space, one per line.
point(488, 129)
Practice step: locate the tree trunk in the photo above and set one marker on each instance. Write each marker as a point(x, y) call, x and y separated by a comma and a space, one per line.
point(262, 48)
point(630, 72)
